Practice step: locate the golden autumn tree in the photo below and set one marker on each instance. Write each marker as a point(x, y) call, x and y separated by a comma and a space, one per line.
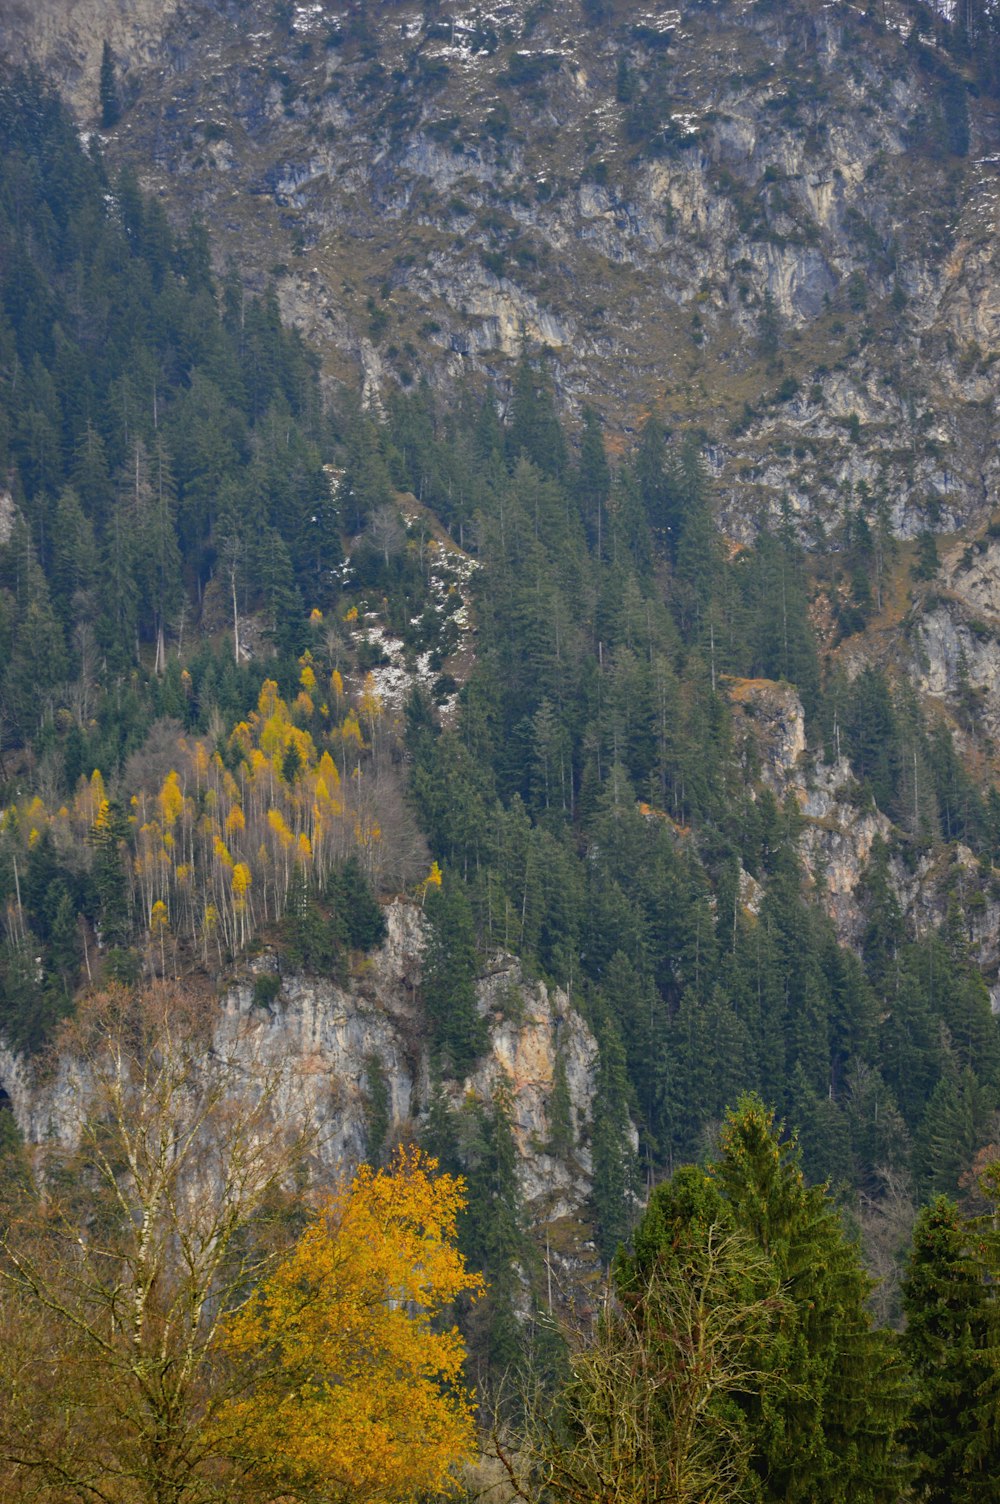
point(361, 1396)
point(162, 1339)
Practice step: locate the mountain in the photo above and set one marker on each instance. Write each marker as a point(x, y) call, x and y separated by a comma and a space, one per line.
point(774, 225)
point(762, 219)
point(534, 464)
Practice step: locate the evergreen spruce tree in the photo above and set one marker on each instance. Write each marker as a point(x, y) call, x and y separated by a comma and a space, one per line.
point(951, 1344)
point(108, 96)
point(834, 1436)
point(493, 1237)
point(450, 966)
point(615, 1171)
point(534, 425)
point(593, 479)
point(357, 908)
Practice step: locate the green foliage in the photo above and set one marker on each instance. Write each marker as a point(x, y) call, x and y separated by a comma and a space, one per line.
point(615, 1178)
point(128, 456)
point(266, 987)
point(560, 1112)
point(823, 1411)
point(927, 563)
point(312, 938)
point(450, 967)
point(357, 909)
point(949, 1297)
point(592, 698)
point(378, 1103)
point(492, 1232)
point(108, 96)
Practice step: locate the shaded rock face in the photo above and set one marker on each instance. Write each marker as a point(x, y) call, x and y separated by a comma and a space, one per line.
point(324, 1039)
point(526, 1046)
point(775, 222)
point(66, 37)
point(840, 825)
point(770, 718)
point(955, 636)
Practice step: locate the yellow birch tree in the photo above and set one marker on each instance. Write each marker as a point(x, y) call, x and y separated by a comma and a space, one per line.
point(361, 1395)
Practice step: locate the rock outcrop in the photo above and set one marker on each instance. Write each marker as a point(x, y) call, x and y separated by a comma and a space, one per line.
point(330, 1039)
point(778, 223)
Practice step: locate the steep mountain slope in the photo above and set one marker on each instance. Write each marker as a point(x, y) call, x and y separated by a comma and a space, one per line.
point(770, 232)
point(775, 221)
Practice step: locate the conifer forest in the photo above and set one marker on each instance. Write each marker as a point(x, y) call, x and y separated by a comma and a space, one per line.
point(499, 753)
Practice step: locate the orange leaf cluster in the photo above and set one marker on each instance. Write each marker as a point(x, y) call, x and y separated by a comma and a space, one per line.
point(361, 1393)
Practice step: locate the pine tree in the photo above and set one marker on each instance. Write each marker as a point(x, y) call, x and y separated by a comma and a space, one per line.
point(834, 1436)
point(593, 479)
point(450, 967)
point(950, 1343)
point(534, 424)
point(615, 1171)
point(108, 89)
point(356, 905)
point(493, 1237)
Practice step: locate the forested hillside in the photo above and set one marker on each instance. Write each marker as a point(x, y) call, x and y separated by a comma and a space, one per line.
point(194, 758)
point(539, 711)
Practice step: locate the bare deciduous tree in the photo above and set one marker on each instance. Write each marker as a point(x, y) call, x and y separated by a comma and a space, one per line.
point(135, 1241)
point(647, 1416)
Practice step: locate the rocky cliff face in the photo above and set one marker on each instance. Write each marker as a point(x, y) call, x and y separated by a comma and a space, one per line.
point(775, 222)
point(331, 1040)
point(839, 824)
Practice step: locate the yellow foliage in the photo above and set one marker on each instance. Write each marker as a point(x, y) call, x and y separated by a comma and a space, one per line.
point(352, 614)
point(276, 820)
point(328, 771)
point(303, 849)
point(315, 617)
point(158, 917)
point(304, 706)
point(433, 878)
point(235, 820)
point(268, 700)
point(304, 745)
point(307, 679)
point(97, 793)
point(371, 705)
point(359, 1395)
point(242, 878)
point(274, 731)
point(170, 799)
point(337, 684)
point(221, 853)
point(240, 736)
point(349, 728)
